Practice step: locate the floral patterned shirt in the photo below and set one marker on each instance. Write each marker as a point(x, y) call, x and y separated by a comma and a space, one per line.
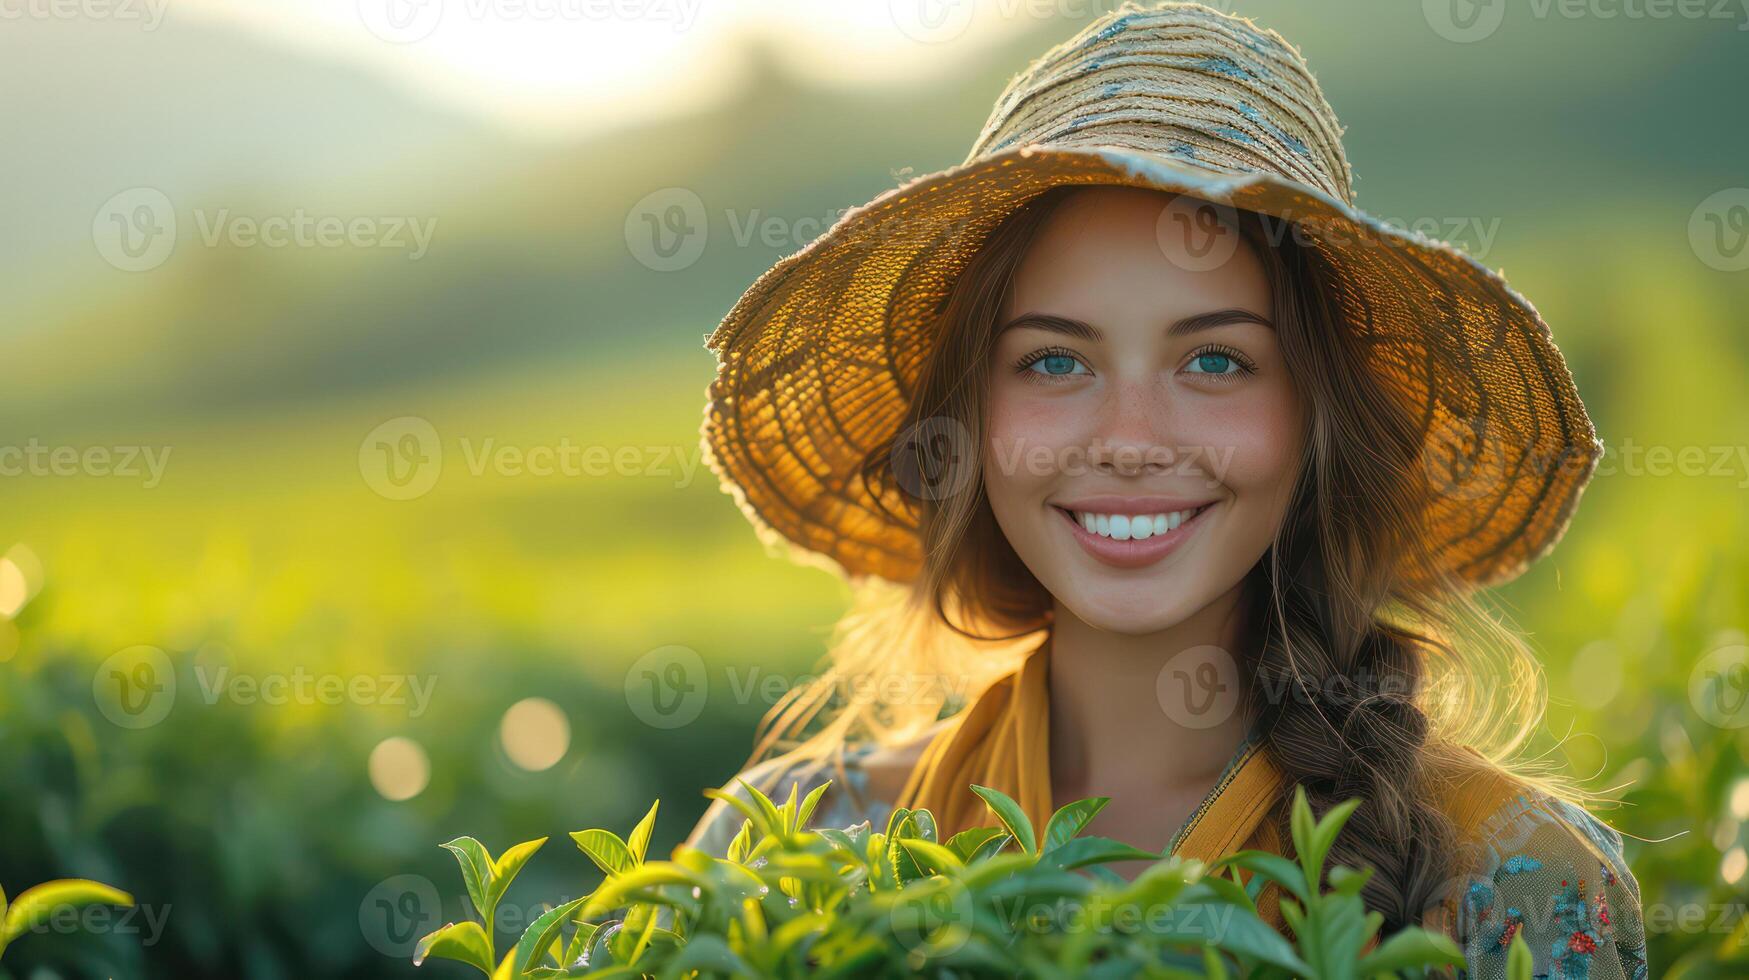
point(1541, 866)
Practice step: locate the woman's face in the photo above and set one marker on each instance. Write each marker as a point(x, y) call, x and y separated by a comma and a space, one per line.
point(1144, 434)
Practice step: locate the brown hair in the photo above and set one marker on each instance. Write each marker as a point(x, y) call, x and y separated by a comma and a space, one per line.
point(1359, 685)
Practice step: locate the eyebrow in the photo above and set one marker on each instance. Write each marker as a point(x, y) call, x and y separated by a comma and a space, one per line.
point(1087, 331)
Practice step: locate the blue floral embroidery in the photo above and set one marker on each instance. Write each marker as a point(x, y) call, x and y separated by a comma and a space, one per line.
point(1519, 864)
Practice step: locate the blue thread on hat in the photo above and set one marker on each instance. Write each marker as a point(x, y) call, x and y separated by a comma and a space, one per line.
point(1292, 141)
point(1223, 65)
point(1114, 28)
point(1234, 134)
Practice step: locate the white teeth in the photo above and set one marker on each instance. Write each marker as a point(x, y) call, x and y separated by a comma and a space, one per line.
point(1132, 527)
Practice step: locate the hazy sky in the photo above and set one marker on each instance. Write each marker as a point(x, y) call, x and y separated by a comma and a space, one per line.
point(533, 64)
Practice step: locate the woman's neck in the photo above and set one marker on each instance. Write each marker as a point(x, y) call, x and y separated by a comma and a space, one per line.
point(1155, 714)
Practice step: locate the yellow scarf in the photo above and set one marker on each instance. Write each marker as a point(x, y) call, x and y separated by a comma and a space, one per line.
point(1002, 740)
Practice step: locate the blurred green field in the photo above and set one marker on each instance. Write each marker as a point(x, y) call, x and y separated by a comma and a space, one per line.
point(265, 549)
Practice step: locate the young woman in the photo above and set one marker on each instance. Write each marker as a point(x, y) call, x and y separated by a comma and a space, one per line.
point(1164, 474)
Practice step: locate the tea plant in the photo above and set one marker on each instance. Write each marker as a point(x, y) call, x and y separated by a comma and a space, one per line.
point(36, 906)
point(1003, 900)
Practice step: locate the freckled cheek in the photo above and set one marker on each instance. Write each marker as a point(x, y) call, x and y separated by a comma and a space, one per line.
point(1247, 444)
point(1027, 437)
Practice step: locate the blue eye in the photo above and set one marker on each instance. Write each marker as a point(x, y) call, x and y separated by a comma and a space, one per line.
point(1055, 365)
point(1219, 362)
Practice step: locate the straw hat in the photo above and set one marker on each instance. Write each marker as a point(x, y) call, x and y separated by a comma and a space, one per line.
point(817, 360)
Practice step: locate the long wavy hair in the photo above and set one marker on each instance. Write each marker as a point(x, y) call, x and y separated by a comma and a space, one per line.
point(1360, 684)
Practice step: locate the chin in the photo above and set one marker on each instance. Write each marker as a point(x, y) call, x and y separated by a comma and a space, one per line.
point(1133, 609)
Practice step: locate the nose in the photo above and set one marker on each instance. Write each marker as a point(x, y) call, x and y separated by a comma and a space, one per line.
point(1132, 431)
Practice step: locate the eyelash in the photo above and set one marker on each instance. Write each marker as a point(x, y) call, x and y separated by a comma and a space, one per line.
point(1245, 364)
point(1026, 362)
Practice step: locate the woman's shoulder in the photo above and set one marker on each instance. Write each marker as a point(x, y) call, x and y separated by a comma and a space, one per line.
point(867, 779)
point(1537, 864)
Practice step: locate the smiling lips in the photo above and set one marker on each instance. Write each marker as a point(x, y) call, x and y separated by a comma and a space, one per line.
point(1132, 532)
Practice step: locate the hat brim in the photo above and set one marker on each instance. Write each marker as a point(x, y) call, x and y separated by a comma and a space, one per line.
point(818, 359)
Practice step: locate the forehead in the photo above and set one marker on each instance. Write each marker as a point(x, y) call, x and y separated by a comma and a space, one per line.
point(1124, 256)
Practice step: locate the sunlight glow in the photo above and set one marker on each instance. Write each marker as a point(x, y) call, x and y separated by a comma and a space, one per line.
point(569, 67)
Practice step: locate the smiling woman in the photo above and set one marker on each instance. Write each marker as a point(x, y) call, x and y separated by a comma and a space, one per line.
point(1164, 459)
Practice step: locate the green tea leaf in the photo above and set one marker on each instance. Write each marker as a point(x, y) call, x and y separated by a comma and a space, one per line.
point(1324, 836)
point(604, 847)
point(464, 942)
point(639, 842)
point(1071, 819)
point(924, 821)
point(1012, 817)
point(742, 843)
point(707, 954)
point(746, 807)
point(810, 803)
point(538, 939)
point(33, 906)
point(476, 864)
point(1519, 962)
point(931, 858)
point(990, 848)
point(614, 891)
point(1413, 949)
point(1270, 867)
point(764, 806)
point(1080, 852)
point(505, 870)
point(966, 843)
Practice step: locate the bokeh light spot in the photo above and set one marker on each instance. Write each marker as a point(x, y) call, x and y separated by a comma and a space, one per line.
point(535, 733)
point(1735, 864)
point(13, 592)
point(399, 768)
